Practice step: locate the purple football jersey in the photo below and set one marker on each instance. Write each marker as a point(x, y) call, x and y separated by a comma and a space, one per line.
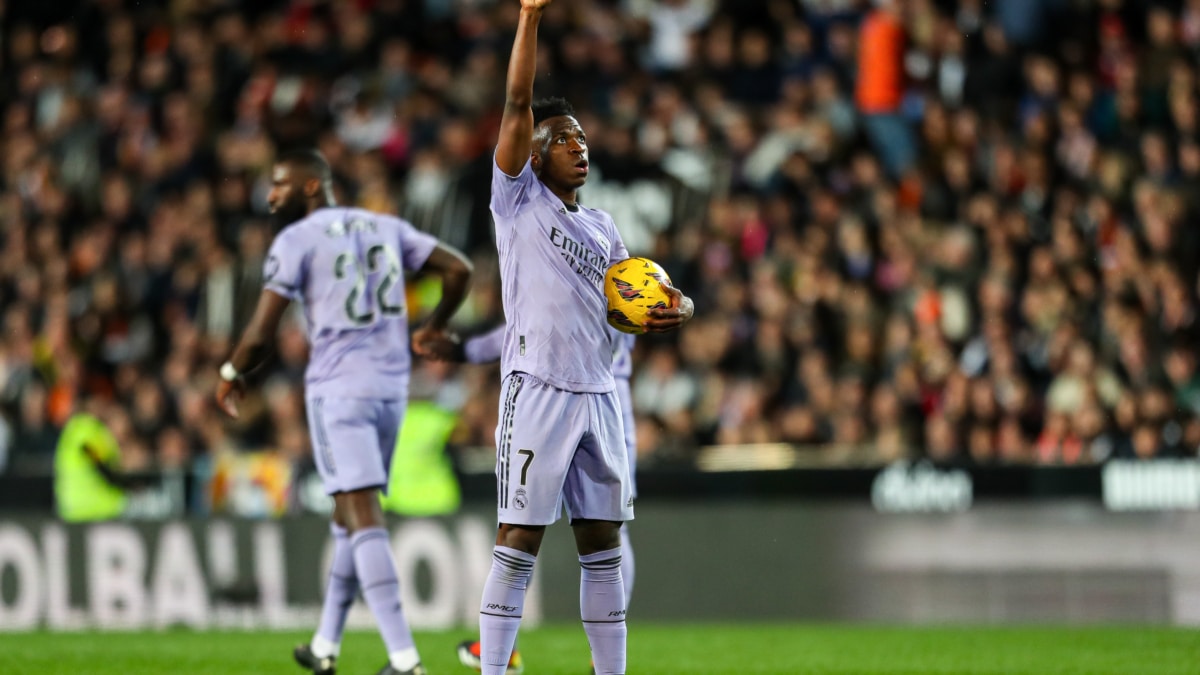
point(486, 348)
point(552, 265)
point(346, 267)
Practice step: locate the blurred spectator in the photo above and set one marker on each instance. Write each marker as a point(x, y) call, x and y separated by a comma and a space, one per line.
point(670, 25)
point(880, 89)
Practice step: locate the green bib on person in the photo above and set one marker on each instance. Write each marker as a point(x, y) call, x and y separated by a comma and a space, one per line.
point(81, 493)
point(422, 481)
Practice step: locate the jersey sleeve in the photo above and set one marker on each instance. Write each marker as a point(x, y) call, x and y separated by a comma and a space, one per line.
point(485, 348)
point(285, 270)
point(510, 194)
point(415, 245)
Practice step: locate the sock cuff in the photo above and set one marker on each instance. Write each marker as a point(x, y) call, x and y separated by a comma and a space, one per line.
point(601, 559)
point(512, 568)
point(513, 555)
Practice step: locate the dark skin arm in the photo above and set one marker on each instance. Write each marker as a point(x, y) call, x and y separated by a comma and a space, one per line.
point(254, 347)
point(455, 270)
point(671, 318)
point(455, 351)
point(516, 125)
point(450, 348)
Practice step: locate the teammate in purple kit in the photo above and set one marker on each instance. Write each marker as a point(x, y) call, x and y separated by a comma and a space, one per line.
point(560, 442)
point(346, 267)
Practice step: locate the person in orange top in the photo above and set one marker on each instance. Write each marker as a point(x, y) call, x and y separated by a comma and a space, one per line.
point(879, 89)
point(880, 85)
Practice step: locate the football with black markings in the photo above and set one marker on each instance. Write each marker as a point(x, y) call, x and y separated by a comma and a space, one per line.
point(634, 287)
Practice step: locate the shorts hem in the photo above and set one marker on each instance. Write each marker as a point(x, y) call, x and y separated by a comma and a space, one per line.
point(527, 522)
point(382, 487)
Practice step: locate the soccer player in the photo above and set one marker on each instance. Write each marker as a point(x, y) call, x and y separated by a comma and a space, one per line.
point(346, 267)
point(559, 443)
point(485, 348)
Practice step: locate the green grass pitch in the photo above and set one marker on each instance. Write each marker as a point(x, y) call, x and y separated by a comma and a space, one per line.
point(778, 649)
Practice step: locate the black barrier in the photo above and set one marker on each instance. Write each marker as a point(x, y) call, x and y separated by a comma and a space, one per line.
point(856, 484)
point(905, 487)
point(26, 493)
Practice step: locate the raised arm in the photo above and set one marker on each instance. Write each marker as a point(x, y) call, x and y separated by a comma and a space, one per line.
point(516, 126)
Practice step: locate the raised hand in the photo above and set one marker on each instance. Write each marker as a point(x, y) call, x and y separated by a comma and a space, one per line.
point(534, 4)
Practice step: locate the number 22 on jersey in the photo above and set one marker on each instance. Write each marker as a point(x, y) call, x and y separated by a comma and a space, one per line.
point(376, 289)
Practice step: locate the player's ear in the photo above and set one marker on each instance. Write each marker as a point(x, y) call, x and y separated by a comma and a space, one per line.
point(312, 187)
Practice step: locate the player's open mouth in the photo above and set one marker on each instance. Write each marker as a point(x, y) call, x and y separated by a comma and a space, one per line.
point(581, 167)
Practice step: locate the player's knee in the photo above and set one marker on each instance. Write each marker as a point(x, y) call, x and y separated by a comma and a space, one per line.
point(359, 509)
point(339, 517)
point(593, 536)
point(521, 538)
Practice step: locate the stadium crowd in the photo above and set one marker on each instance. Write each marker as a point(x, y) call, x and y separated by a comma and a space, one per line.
point(951, 229)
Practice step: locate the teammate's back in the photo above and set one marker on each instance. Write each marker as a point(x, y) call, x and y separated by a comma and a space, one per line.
point(346, 266)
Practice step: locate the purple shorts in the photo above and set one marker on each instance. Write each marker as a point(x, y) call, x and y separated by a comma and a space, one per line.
point(353, 440)
point(558, 449)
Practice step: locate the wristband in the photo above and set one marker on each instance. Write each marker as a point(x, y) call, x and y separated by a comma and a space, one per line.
point(228, 372)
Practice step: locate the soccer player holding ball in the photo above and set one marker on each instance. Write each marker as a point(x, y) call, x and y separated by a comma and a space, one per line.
point(560, 441)
point(485, 348)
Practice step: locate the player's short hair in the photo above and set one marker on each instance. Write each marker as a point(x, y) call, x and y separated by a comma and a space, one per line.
point(546, 108)
point(310, 160)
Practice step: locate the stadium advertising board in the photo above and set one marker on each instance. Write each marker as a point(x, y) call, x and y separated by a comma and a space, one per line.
point(1070, 561)
point(920, 487)
point(1163, 485)
point(223, 573)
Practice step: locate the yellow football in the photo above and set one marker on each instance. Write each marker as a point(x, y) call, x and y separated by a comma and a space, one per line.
point(633, 287)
